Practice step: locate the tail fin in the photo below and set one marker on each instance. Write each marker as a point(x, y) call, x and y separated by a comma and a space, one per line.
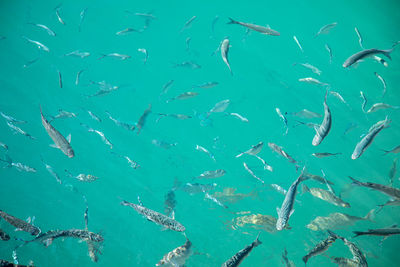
point(232, 21)
point(257, 242)
point(370, 215)
point(357, 233)
point(355, 182)
point(8, 160)
point(387, 53)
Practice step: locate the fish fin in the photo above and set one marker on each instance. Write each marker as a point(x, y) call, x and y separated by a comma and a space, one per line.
point(232, 21)
point(370, 216)
point(69, 138)
point(291, 212)
point(257, 242)
point(53, 146)
point(305, 189)
point(357, 233)
point(278, 210)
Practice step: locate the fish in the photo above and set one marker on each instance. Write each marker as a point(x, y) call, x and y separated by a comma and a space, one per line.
point(58, 16)
point(146, 54)
point(337, 220)
point(169, 203)
point(387, 190)
point(305, 113)
point(63, 114)
point(207, 195)
point(326, 196)
point(313, 81)
point(351, 126)
point(338, 96)
point(133, 164)
point(323, 130)
point(60, 83)
point(240, 117)
point(328, 48)
point(323, 155)
point(5, 237)
point(266, 165)
point(182, 96)
point(94, 116)
point(379, 106)
point(48, 237)
point(383, 83)
point(310, 67)
point(188, 23)
point(105, 88)
point(142, 119)
point(254, 150)
point(298, 43)
point(358, 256)
point(82, 16)
point(285, 259)
point(175, 116)
point(252, 173)
point(59, 140)
point(394, 150)
point(213, 23)
point(321, 247)
point(392, 172)
point(394, 230)
point(366, 141)
point(30, 62)
point(286, 209)
point(4, 146)
point(19, 166)
point(14, 264)
point(77, 53)
point(20, 224)
point(187, 64)
point(40, 46)
point(188, 43)
point(11, 119)
point(178, 256)
point(103, 137)
point(280, 190)
point(195, 188)
point(281, 152)
point(221, 106)
point(166, 87)
point(82, 177)
point(364, 54)
point(211, 174)
point(203, 149)
point(224, 53)
point(257, 221)
point(51, 171)
point(163, 144)
point(18, 130)
point(78, 75)
point(261, 29)
point(206, 85)
point(325, 29)
point(278, 111)
point(380, 60)
point(115, 55)
point(47, 29)
point(92, 248)
point(124, 125)
point(360, 39)
point(156, 217)
point(238, 258)
point(229, 195)
point(127, 30)
point(364, 101)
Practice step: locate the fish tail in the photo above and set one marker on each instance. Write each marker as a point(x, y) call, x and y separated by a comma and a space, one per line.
point(257, 242)
point(305, 189)
point(385, 152)
point(357, 233)
point(232, 21)
point(370, 216)
point(387, 53)
point(355, 182)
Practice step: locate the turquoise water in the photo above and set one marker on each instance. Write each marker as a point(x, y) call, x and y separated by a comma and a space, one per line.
point(263, 79)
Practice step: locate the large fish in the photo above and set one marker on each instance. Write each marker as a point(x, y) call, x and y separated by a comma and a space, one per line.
point(321, 247)
point(369, 137)
point(20, 224)
point(264, 30)
point(256, 221)
point(237, 259)
point(364, 54)
point(337, 220)
point(48, 237)
point(390, 191)
point(59, 140)
point(393, 230)
point(322, 131)
point(327, 196)
point(178, 256)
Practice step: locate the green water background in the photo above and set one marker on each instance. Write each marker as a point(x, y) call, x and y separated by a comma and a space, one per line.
point(263, 79)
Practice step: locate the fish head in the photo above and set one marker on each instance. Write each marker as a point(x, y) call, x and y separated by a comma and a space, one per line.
point(70, 152)
point(280, 224)
point(345, 205)
point(312, 226)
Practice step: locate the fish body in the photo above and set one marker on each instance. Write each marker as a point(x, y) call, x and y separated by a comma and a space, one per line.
point(39, 45)
point(47, 29)
point(94, 116)
point(59, 16)
point(369, 137)
point(52, 172)
point(166, 87)
point(254, 150)
point(364, 54)
point(182, 96)
point(283, 118)
point(63, 114)
point(229, 195)
point(324, 155)
point(256, 221)
point(188, 64)
point(4, 146)
point(163, 144)
point(18, 130)
point(124, 125)
point(388, 190)
point(126, 31)
point(48, 237)
point(379, 106)
point(312, 81)
point(298, 43)
point(206, 85)
point(20, 224)
point(380, 60)
point(146, 54)
point(306, 114)
point(142, 119)
point(338, 96)
point(188, 23)
point(178, 256)
point(82, 16)
point(195, 188)
point(312, 68)
point(394, 230)
point(220, 106)
point(58, 139)
point(240, 117)
point(383, 83)
point(203, 149)
point(328, 48)
point(252, 173)
point(364, 101)
point(78, 53)
point(358, 256)
point(115, 55)
point(212, 174)
point(238, 258)
point(156, 217)
point(320, 248)
point(11, 119)
point(326, 196)
point(281, 152)
point(322, 131)
point(325, 29)
point(360, 39)
point(336, 220)
point(169, 203)
point(257, 28)
point(102, 136)
point(224, 53)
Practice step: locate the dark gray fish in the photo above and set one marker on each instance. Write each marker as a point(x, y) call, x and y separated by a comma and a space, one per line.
point(390, 191)
point(323, 130)
point(175, 116)
point(366, 141)
point(261, 29)
point(394, 230)
point(60, 83)
point(48, 237)
point(156, 217)
point(285, 259)
point(321, 247)
point(4, 236)
point(142, 119)
point(30, 62)
point(393, 171)
point(59, 140)
point(178, 256)
point(169, 203)
point(4, 146)
point(325, 29)
point(182, 96)
point(364, 54)
point(237, 259)
point(20, 224)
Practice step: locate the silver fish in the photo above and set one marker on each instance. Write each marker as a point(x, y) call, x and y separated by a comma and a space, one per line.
point(224, 53)
point(103, 137)
point(383, 83)
point(78, 75)
point(195, 188)
point(178, 256)
point(305, 113)
point(20, 224)
point(380, 60)
point(156, 217)
point(207, 195)
point(281, 152)
point(59, 16)
point(52, 172)
point(358, 256)
point(369, 137)
point(266, 165)
point(187, 64)
point(82, 177)
point(4, 146)
point(261, 29)
point(39, 45)
point(387, 190)
point(94, 116)
point(220, 106)
point(321, 247)
point(133, 164)
point(338, 96)
point(18, 130)
point(328, 48)
point(47, 29)
point(394, 230)
point(166, 87)
point(82, 16)
point(175, 116)
point(212, 174)
point(213, 23)
point(30, 62)
point(19, 166)
point(325, 29)
point(311, 67)
point(254, 150)
point(59, 141)
point(142, 119)
point(124, 125)
point(323, 130)
point(364, 101)
point(251, 172)
point(203, 149)
point(238, 258)
point(298, 43)
point(364, 54)
point(188, 43)
point(206, 85)
point(325, 154)
point(188, 23)
point(240, 117)
point(182, 96)
point(278, 111)
point(78, 53)
point(379, 106)
point(127, 30)
point(115, 55)
point(312, 81)
point(48, 237)
point(337, 220)
point(63, 114)
point(326, 196)
point(360, 39)
point(163, 144)
point(146, 54)
point(286, 209)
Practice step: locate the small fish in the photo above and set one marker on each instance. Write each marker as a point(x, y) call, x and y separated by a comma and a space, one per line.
point(224, 53)
point(52, 172)
point(393, 171)
point(20, 224)
point(394, 150)
point(105, 88)
point(337, 220)
point(364, 54)
point(127, 30)
point(156, 217)
point(254, 150)
point(78, 53)
point(366, 141)
point(305, 113)
point(387, 190)
point(58, 16)
point(40, 46)
point(60, 83)
point(5, 237)
point(383, 83)
point(380, 60)
point(240, 117)
point(311, 67)
point(252, 173)
point(325, 29)
point(229, 195)
point(92, 247)
point(285, 259)
point(59, 141)
point(312, 81)
point(220, 106)
point(351, 126)
point(78, 75)
point(261, 29)
point(94, 116)
point(211, 174)
point(11, 119)
point(321, 247)
point(298, 43)
point(82, 16)
point(280, 190)
point(48, 237)
point(203, 149)
point(323, 130)
point(206, 85)
point(213, 23)
point(281, 152)
point(187, 64)
point(324, 155)
point(182, 96)
point(238, 258)
point(278, 111)
point(142, 119)
point(195, 188)
point(207, 195)
point(18, 130)
point(115, 55)
point(266, 165)
point(133, 164)
point(30, 62)
point(19, 166)
point(166, 87)
point(178, 256)
point(286, 209)
point(394, 230)
point(83, 177)
point(124, 125)
point(47, 29)
point(188, 43)
point(257, 221)
point(326, 196)
point(358, 256)
point(103, 137)
point(328, 48)
point(163, 144)
point(338, 96)
point(4, 146)
point(146, 54)
point(364, 101)
point(175, 116)
point(360, 39)
point(188, 23)
point(146, 15)
point(317, 178)
point(379, 106)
